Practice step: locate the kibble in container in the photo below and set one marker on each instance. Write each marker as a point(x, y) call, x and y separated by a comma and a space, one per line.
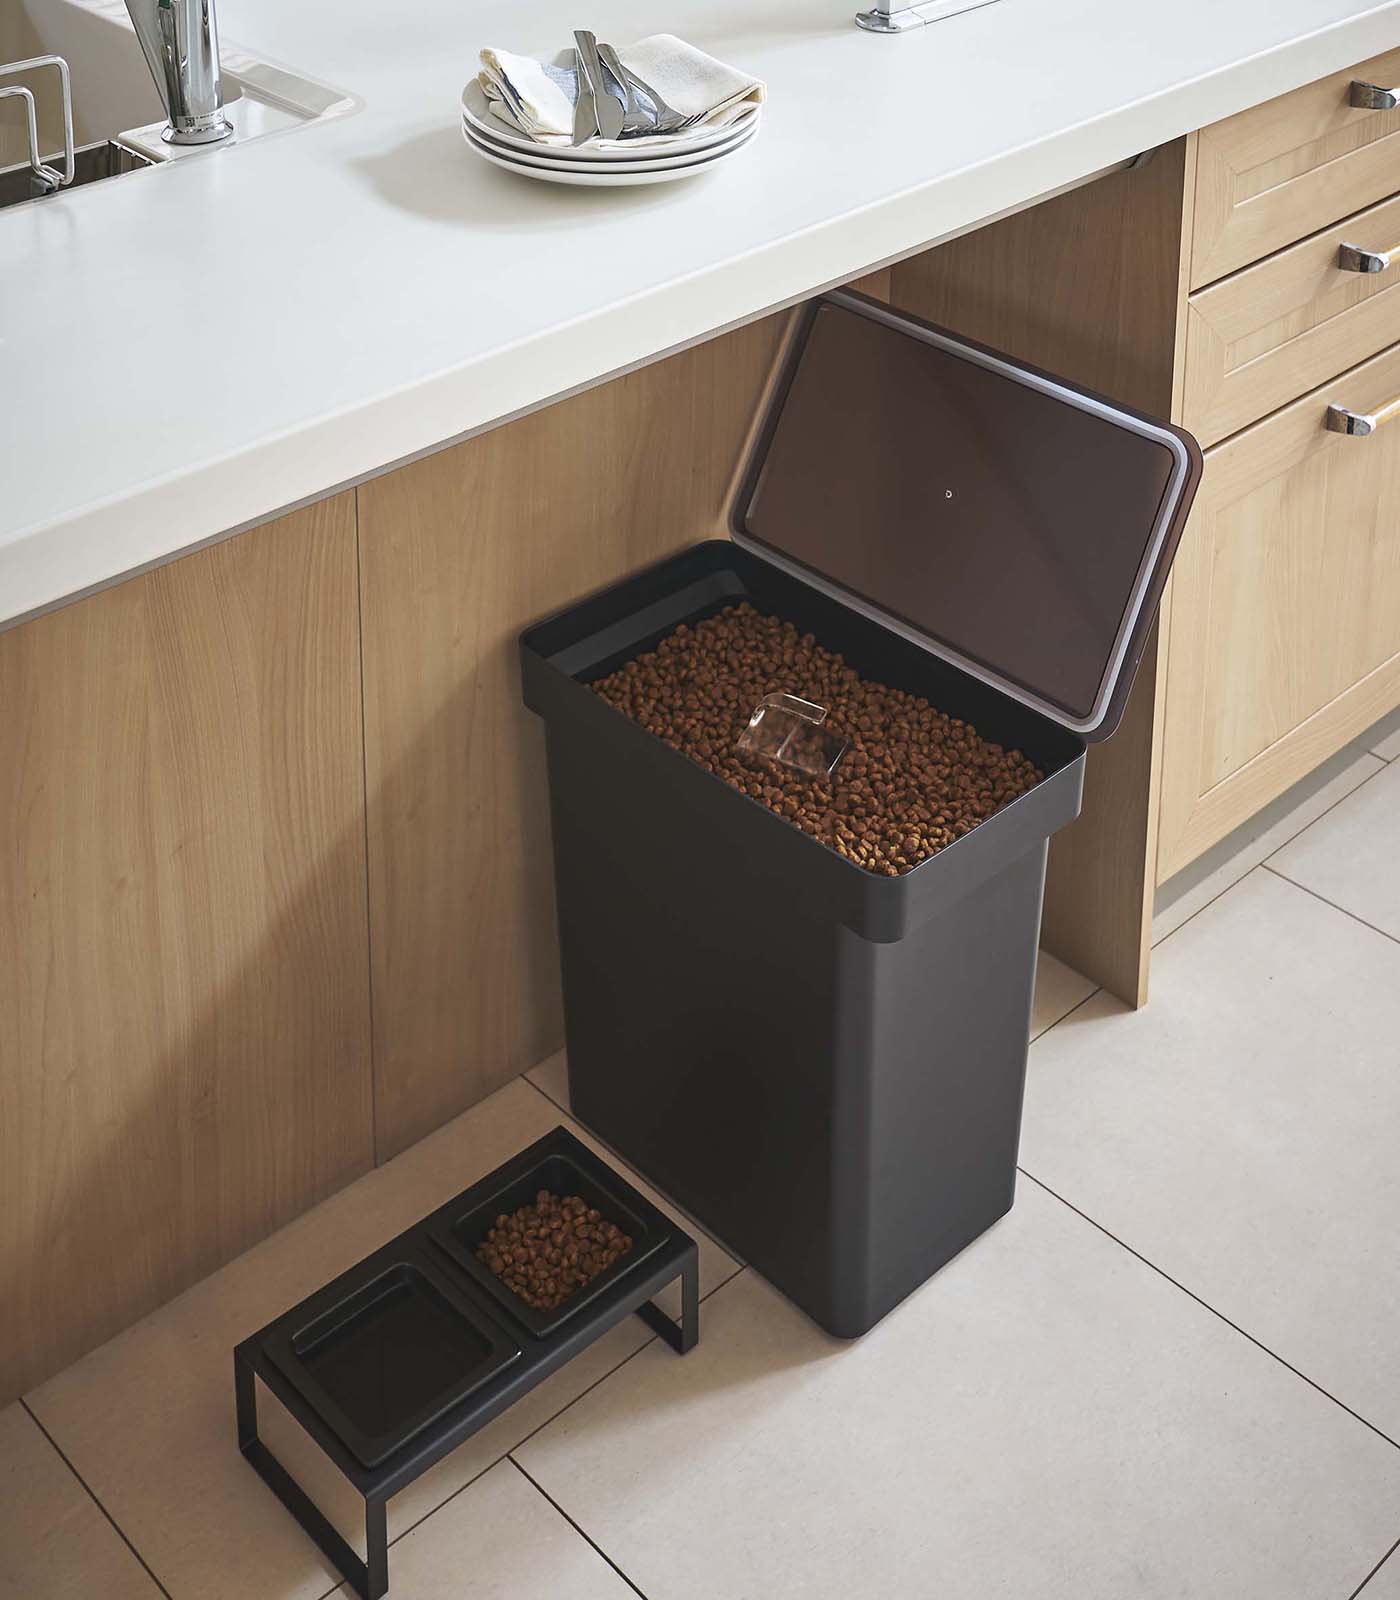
point(799, 1000)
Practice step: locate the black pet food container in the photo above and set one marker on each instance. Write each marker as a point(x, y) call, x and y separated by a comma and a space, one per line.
point(825, 1066)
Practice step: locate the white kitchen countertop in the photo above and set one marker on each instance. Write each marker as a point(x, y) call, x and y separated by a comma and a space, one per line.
point(189, 350)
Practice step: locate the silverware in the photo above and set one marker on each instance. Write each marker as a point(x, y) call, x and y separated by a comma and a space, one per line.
point(504, 90)
point(608, 109)
point(668, 119)
point(637, 120)
point(585, 112)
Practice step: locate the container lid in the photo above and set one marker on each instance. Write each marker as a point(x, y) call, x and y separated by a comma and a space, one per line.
point(1009, 522)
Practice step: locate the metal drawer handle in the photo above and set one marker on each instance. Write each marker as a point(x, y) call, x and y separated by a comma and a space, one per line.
point(1356, 258)
point(1361, 423)
point(1371, 97)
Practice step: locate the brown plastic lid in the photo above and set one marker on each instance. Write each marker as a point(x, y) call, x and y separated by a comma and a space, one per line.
point(1008, 521)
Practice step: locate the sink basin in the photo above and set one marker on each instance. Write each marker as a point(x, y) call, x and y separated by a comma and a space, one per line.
point(115, 100)
point(91, 162)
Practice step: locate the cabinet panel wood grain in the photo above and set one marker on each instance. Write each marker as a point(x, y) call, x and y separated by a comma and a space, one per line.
point(184, 1040)
point(1280, 170)
point(1261, 337)
point(1285, 637)
point(459, 552)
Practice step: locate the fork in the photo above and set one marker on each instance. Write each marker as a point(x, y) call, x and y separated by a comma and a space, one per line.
point(668, 119)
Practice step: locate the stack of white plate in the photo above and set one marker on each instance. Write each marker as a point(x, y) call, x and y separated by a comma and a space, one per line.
point(601, 163)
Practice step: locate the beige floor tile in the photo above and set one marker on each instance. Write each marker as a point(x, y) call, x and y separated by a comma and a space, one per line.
point(1058, 990)
point(500, 1539)
point(1352, 855)
point(148, 1418)
point(1047, 1418)
point(1240, 1130)
point(54, 1542)
point(1197, 885)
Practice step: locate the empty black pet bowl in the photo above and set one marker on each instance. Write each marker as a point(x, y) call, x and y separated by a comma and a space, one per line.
point(384, 1353)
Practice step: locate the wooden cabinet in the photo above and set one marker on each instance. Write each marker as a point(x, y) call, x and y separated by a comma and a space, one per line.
point(1284, 635)
point(1285, 614)
point(184, 1027)
point(1290, 166)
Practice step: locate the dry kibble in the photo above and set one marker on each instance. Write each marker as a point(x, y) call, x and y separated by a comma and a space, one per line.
point(546, 1250)
point(912, 780)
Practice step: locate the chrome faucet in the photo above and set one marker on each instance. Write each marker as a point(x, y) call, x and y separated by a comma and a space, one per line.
point(180, 39)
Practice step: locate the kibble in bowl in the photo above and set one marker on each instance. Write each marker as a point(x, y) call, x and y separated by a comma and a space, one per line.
point(546, 1250)
point(912, 780)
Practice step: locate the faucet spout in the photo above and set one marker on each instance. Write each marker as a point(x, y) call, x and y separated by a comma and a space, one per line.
point(180, 39)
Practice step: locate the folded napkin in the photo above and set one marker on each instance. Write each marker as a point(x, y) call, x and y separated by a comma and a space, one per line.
point(537, 97)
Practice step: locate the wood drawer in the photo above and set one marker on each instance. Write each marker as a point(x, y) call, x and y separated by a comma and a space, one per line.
point(1262, 336)
point(1284, 631)
point(1284, 169)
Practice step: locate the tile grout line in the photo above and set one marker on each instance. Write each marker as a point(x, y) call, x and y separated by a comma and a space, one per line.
point(1371, 778)
point(87, 1489)
point(1323, 898)
point(1206, 1305)
point(562, 1110)
point(1374, 1570)
point(505, 1454)
point(1035, 1038)
point(577, 1529)
point(1235, 883)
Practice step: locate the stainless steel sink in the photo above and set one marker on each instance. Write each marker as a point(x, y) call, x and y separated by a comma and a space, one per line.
point(91, 162)
point(118, 116)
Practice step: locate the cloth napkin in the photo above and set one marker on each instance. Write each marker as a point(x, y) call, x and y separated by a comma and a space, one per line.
point(537, 97)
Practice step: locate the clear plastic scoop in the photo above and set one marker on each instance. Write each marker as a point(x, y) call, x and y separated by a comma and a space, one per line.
point(788, 729)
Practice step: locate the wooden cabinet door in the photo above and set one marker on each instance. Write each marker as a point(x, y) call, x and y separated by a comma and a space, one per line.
point(1285, 614)
point(184, 1018)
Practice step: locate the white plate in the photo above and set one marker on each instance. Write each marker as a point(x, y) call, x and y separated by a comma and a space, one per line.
point(477, 110)
point(550, 155)
point(603, 177)
point(553, 164)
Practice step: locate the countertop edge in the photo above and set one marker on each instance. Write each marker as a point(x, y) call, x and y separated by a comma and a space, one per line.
point(54, 563)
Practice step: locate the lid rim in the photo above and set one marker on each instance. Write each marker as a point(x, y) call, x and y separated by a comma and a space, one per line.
point(1115, 683)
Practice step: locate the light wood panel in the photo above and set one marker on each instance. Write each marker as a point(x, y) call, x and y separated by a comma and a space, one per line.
point(459, 552)
point(1285, 638)
point(184, 1040)
point(1091, 286)
point(876, 284)
point(1261, 337)
point(1290, 166)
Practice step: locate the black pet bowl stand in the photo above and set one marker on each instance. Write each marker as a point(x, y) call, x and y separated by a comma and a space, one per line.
point(437, 1255)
